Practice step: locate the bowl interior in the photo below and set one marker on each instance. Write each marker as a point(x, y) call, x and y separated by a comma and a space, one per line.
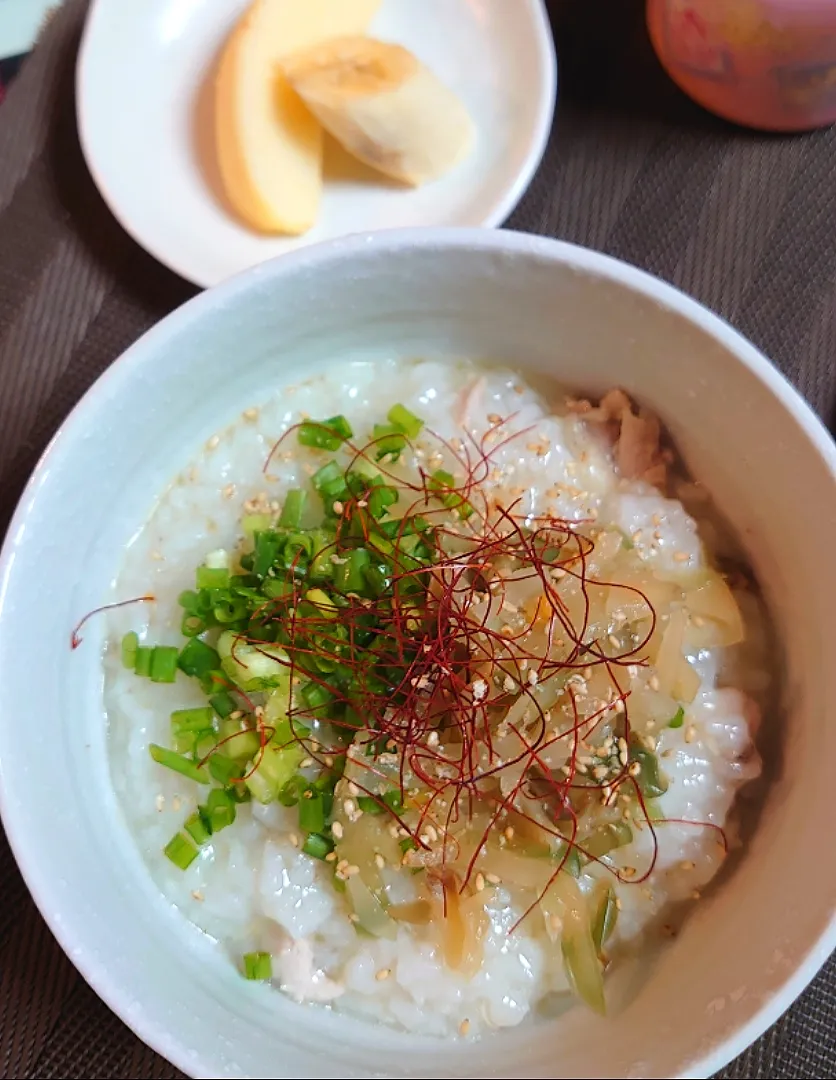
point(546, 307)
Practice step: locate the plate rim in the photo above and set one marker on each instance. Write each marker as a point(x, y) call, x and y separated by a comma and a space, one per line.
point(538, 140)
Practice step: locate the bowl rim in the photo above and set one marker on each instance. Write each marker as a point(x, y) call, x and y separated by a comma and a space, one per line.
point(380, 244)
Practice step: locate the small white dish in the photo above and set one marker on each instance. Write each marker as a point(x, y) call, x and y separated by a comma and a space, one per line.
point(144, 114)
point(748, 949)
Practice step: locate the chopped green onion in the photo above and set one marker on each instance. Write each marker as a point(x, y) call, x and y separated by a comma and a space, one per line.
point(380, 498)
point(181, 850)
point(224, 769)
point(389, 440)
point(197, 828)
point(607, 838)
point(650, 779)
point(130, 644)
point(179, 764)
point(192, 720)
point(210, 578)
point(394, 801)
point(442, 484)
point(605, 917)
point(267, 546)
point(239, 741)
point(678, 718)
point(258, 966)
point(330, 483)
point(143, 660)
point(406, 421)
point(219, 810)
point(223, 703)
point(254, 523)
point(318, 845)
point(407, 844)
point(325, 434)
point(294, 504)
point(164, 664)
point(369, 805)
point(198, 659)
point(192, 625)
point(311, 812)
point(189, 601)
point(349, 576)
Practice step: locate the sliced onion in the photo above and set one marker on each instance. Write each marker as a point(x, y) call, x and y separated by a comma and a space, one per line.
point(370, 913)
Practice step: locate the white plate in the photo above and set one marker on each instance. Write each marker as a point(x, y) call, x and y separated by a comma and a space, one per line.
point(143, 113)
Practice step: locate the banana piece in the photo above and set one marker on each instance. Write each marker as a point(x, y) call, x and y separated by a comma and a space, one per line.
point(269, 146)
point(384, 106)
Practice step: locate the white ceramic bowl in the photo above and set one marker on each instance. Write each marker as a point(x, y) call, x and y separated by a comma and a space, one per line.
point(746, 952)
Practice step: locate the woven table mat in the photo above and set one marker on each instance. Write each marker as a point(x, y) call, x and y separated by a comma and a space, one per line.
point(744, 222)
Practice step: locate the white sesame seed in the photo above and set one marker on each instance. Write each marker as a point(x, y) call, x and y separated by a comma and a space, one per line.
point(229, 491)
point(493, 879)
point(294, 839)
point(337, 507)
point(464, 1027)
point(432, 738)
point(555, 923)
point(213, 443)
point(176, 803)
point(349, 806)
point(509, 833)
point(197, 895)
point(350, 871)
point(379, 861)
point(480, 882)
point(331, 856)
point(681, 556)
point(251, 414)
point(337, 830)
point(159, 802)
point(690, 733)
point(653, 683)
point(353, 789)
point(383, 974)
point(306, 763)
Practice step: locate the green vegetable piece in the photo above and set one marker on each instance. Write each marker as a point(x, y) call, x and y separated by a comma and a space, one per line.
point(178, 763)
point(192, 720)
point(369, 805)
point(192, 625)
point(267, 547)
point(197, 658)
point(238, 741)
point(406, 421)
point(219, 810)
point(143, 660)
point(581, 961)
point(325, 434)
point(258, 966)
point(130, 644)
point(394, 801)
point(224, 769)
point(181, 850)
point(442, 484)
point(208, 577)
point(163, 664)
point(350, 576)
point(651, 781)
point(311, 811)
point(678, 718)
point(197, 828)
point(607, 838)
point(318, 846)
point(253, 667)
point(330, 482)
point(294, 504)
point(389, 441)
point(605, 917)
point(223, 703)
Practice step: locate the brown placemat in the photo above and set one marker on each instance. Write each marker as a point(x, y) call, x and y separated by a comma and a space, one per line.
point(745, 222)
